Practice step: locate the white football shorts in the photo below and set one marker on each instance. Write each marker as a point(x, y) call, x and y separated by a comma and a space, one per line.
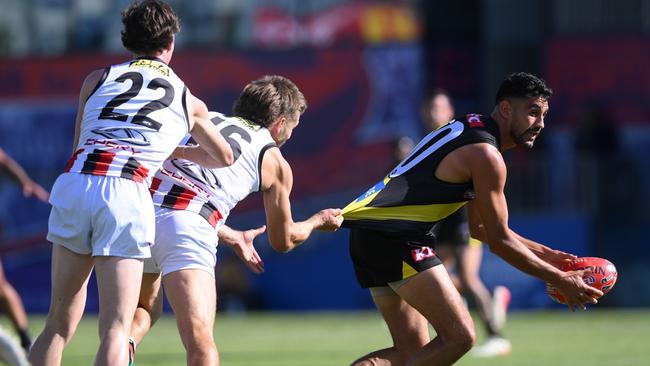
point(184, 240)
point(102, 216)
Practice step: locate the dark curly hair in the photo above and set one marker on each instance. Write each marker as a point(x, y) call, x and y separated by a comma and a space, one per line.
point(265, 100)
point(523, 85)
point(149, 27)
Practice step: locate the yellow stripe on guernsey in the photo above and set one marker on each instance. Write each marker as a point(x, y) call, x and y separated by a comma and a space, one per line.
point(357, 210)
point(419, 213)
point(407, 271)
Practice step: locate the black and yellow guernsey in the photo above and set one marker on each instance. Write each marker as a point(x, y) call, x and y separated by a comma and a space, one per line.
point(410, 200)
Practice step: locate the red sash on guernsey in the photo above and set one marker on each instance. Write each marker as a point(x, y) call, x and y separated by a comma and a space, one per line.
point(98, 162)
point(179, 198)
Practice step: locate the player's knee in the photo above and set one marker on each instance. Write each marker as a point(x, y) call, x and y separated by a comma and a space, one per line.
point(201, 347)
point(464, 338)
point(62, 328)
point(197, 337)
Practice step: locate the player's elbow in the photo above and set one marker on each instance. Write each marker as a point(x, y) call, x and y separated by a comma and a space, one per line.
point(281, 245)
point(228, 157)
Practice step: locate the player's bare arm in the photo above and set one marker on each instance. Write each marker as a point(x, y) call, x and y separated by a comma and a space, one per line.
point(206, 134)
point(284, 233)
point(489, 175)
point(241, 242)
point(552, 256)
point(15, 171)
point(197, 155)
point(547, 254)
point(87, 88)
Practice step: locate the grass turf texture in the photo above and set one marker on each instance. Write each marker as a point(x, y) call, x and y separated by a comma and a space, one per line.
point(596, 337)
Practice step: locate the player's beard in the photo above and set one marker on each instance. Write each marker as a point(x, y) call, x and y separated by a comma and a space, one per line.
point(525, 138)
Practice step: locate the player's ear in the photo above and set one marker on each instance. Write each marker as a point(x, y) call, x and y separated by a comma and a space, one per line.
point(277, 125)
point(505, 108)
point(281, 122)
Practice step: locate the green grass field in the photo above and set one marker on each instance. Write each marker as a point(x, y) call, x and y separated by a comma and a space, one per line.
point(559, 338)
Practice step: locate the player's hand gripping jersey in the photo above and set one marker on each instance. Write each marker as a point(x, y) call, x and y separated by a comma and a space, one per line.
point(132, 121)
point(410, 200)
point(212, 193)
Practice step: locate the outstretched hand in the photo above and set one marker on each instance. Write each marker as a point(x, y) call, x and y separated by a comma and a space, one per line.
point(241, 242)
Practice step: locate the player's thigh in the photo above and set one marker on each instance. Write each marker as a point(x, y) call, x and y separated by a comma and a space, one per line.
point(70, 272)
point(408, 328)
point(192, 295)
point(432, 294)
point(118, 292)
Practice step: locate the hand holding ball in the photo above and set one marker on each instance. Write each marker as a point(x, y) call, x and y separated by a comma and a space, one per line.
point(603, 275)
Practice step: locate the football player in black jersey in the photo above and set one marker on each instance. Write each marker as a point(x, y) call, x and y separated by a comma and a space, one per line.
point(460, 252)
point(457, 164)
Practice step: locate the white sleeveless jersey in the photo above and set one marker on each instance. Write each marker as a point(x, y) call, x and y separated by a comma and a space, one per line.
point(132, 121)
point(212, 193)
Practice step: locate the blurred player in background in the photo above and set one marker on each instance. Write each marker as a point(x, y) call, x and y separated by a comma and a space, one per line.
point(459, 251)
point(10, 301)
point(457, 164)
point(193, 200)
point(131, 117)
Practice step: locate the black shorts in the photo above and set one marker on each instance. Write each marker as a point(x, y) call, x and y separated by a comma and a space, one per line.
point(454, 229)
point(380, 258)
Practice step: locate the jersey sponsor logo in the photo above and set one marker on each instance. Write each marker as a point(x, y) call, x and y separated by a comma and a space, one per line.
point(475, 120)
point(128, 135)
point(249, 124)
point(422, 253)
point(190, 184)
point(151, 64)
point(111, 144)
point(197, 173)
point(376, 188)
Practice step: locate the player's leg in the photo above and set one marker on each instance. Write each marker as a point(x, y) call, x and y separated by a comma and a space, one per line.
point(447, 254)
point(70, 273)
point(118, 299)
point(185, 251)
point(408, 329)
point(149, 307)
point(469, 266)
point(12, 305)
point(123, 222)
point(433, 295)
point(192, 295)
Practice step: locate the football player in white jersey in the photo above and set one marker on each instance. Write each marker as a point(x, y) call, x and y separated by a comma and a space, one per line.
point(192, 201)
point(131, 117)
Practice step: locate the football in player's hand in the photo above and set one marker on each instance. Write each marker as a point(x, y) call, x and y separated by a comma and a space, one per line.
point(603, 275)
